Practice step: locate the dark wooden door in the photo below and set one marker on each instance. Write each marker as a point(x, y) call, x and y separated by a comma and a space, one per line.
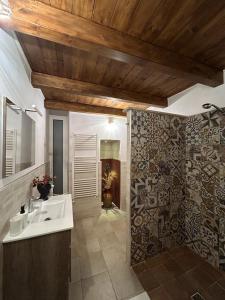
point(114, 166)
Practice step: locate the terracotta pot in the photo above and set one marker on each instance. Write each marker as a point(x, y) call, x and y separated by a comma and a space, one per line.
point(107, 200)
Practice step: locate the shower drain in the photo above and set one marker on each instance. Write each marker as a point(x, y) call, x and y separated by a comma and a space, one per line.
point(197, 296)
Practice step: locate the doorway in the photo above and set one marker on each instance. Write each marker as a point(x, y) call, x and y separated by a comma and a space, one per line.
point(110, 170)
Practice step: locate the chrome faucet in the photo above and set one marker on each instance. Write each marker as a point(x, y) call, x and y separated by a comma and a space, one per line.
point(30, 204)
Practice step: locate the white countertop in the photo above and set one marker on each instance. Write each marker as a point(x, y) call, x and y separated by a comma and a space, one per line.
point(47, 227)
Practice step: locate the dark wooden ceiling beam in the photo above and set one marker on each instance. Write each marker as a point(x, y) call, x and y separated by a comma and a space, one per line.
point(84, 108)
point(41, 20)
point(94, 90)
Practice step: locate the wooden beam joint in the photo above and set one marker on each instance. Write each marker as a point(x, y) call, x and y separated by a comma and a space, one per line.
point(94, 90)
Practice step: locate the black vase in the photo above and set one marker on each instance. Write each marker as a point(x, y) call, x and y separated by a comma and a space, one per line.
point(44, 190)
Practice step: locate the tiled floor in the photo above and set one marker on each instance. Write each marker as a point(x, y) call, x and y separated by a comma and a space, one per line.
point(178, 274)
point(142, 296)
point(99, 268)
point(100, 271)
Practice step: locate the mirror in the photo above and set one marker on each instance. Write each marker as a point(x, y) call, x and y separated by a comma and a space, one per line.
point(17, 139)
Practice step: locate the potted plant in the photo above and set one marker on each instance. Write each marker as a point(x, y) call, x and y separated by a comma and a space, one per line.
point(43, 186)
point(108, 177)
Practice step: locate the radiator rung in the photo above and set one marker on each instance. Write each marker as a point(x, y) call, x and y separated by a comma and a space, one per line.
point(85, 162)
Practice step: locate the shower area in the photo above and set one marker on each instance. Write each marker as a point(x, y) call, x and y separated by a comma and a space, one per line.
point(177, 184)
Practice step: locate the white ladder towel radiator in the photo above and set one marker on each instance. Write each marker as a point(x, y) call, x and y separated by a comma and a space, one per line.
point(84, 166)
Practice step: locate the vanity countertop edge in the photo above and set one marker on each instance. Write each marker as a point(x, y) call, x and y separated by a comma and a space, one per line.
point(44, 228)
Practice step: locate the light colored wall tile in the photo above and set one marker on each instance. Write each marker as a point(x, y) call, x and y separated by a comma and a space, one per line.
point(11, 198)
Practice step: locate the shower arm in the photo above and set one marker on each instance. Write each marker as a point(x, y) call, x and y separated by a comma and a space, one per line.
point(210, 105)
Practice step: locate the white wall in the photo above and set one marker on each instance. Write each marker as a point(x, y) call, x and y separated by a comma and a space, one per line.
point(98, 124)
point(80, 123)
point(15, 84)
point(189, 102)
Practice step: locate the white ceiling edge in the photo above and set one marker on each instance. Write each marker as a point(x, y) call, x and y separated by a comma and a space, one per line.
point(189, 102)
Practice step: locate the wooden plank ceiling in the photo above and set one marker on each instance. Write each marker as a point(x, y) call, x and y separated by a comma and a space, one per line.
point(124, 53)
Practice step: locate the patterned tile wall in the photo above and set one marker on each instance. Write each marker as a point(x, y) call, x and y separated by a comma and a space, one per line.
point(157, 183)
point(205, 188)
point(178, 184)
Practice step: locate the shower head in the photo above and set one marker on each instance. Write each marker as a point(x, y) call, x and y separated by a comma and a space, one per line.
point(210, 105)
point(207, 105)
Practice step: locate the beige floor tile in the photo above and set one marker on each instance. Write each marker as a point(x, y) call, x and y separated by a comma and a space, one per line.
point(75, 291)
point(142, 296)
point(86, 208)
point(92, 263)
point(73, 235)
point(119, 225)
point(74, 252)
point(99, 244)
point(103, 218)
point(98, 287)
point(81, 245)
point(78, 247)
point(113, 215)
point(102, 229)
point(108, 240)
point(125, 282)
point(122, 238)
point(75, 269)
point(114, 255)
point(121, 235)
point(88, 222)
point(92, 245)
point(85, 228)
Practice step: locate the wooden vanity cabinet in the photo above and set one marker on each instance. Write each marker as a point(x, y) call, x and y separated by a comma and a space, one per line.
point(37, 268)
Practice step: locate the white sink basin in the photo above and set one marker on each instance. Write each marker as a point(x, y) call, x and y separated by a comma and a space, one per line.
point(50, 211)
point(53, 215)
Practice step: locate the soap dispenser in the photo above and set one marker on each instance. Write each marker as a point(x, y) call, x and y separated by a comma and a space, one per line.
point(17, 223)
point(24, 214)
point(22, 209)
